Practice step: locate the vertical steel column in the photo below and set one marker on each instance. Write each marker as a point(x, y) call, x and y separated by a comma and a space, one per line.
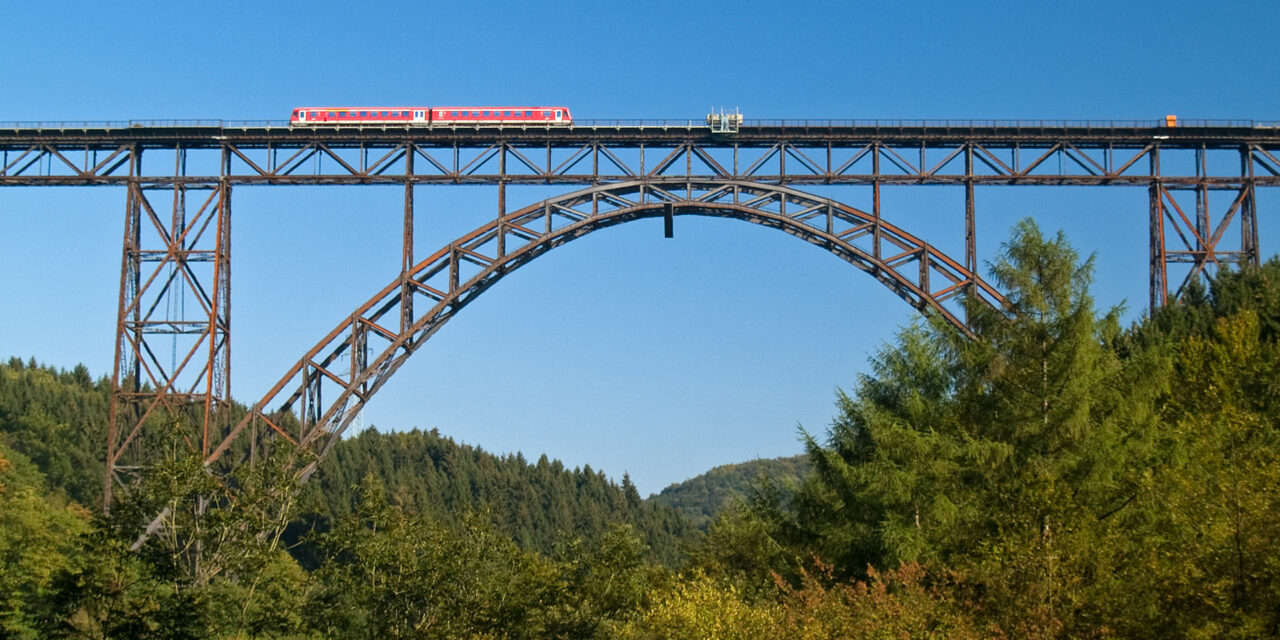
point(1159, 292)
point(782, 163)
point(1248, 212)
point(218, 382)
point(875, 198)
point(406, 247)
point(1204, 250)
point(126, 374)
point(502, 195)
point(970, 233)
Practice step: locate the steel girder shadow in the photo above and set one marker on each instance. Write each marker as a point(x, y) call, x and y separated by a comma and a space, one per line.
point(316, 400)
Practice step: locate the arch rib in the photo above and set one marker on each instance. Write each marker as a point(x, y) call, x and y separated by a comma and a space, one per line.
point(326, 398)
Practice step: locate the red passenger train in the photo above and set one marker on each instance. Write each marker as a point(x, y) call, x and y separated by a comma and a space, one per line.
point(427, 116)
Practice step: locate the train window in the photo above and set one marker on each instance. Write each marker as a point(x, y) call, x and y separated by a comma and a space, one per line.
point(528, 113)
point(557, 115)
point(506, 114)
point(546, 114)
point(312, 114)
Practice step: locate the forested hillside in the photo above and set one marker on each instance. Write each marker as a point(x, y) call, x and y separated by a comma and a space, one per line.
point(57, 420)
point(1056, 475)
point(702, 498)
point(538, 505)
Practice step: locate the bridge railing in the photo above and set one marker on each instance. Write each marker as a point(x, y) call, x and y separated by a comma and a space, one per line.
point(691, 124)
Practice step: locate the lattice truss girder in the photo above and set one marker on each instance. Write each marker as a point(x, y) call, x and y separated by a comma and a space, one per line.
point(1062, 162)
point(1065, 161)
point(173, 322)
point(315, 401)
point(50, 163)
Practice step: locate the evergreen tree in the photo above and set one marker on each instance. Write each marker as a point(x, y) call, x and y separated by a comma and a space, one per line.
point(997, 455)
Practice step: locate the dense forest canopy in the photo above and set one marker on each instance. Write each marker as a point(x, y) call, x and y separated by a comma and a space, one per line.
point(702, 498)
point(538, 505)
point(1059, 476)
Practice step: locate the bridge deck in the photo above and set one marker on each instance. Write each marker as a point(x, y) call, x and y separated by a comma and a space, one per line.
point(803, 133)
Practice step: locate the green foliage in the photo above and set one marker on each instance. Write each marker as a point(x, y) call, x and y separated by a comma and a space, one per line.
point(1077, 481)
point(389, 573)
point(1214, 499)
point(540, 505)
point(38, 540)
point(898, 604)
point(57, 419)
point(952, 447)
point(697, 608)
point(702, 498)
point(212, 566)
point(596, 588)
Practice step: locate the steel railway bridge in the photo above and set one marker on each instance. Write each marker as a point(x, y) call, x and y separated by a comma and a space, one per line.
point(1201, 178)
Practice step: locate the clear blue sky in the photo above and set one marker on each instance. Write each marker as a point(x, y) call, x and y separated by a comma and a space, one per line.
point(624, 351)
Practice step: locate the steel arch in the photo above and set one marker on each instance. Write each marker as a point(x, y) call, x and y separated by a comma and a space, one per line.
point(319, 396)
